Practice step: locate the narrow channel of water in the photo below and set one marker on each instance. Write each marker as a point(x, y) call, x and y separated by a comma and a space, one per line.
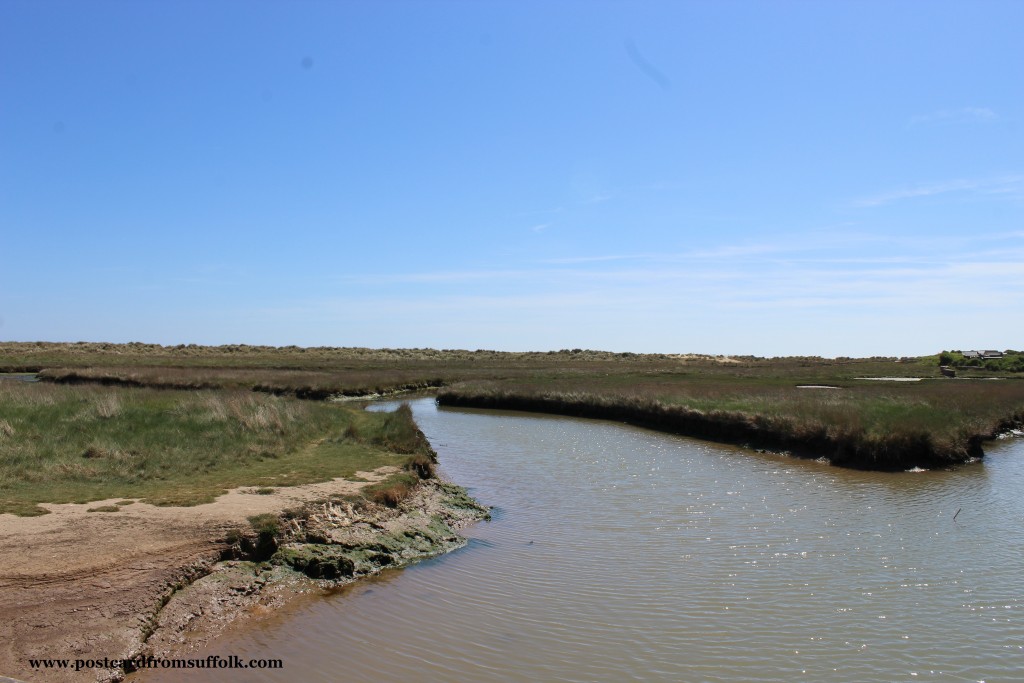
point(619, 554)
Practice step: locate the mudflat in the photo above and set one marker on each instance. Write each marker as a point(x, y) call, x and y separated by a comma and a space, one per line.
point(90, 585)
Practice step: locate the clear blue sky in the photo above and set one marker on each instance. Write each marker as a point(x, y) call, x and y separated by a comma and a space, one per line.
point(773, 178)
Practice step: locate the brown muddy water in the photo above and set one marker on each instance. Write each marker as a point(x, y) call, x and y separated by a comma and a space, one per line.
point(620, 554)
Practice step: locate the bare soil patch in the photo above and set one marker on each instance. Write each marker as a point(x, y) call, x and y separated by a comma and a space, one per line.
point(80, 584)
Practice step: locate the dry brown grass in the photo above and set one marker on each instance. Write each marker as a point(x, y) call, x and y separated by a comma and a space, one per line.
point(392, 491)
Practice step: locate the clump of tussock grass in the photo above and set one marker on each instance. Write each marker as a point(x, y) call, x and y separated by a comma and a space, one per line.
point(266, 523)
point(421, 465)
point(94, 451)
point(392, 491)
point(214, 407)
point(267, 527)
point(107, 405)
point(253, 415)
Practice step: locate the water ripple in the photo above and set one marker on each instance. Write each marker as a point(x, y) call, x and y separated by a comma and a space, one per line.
point(621, 554)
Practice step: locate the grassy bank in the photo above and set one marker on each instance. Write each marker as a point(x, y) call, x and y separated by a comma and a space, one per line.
point(80, 443)
point(854, 423)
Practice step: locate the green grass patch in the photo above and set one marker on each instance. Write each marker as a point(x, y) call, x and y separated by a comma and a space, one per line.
point(168, 447)
point(265, 524)
point(395, 431)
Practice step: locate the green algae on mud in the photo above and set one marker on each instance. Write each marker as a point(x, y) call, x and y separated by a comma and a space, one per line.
point(324, 546)
point(351, 537)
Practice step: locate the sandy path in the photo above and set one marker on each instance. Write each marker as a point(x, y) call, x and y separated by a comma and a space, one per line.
point(78, 584)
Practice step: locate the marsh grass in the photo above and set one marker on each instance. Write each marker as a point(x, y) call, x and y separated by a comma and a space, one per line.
point(741, 399)
point(859, 424)
point(80, 443)
point(324, 372)
point(397, 432)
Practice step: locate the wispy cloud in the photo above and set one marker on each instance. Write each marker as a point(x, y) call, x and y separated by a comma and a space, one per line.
point(436, 277)
point(837, 295)
point(540, 227)
point(573, 260)
point(641, 297)
point(961, 115)
point(781, 247)
point(540, 212)
point(755, 270)
point(918, 191)
point(1005, 185)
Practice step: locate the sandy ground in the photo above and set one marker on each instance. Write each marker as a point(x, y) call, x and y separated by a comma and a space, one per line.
point(78, 584)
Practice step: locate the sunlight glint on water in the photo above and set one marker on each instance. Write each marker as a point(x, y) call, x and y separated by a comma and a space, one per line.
point(619, 554)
